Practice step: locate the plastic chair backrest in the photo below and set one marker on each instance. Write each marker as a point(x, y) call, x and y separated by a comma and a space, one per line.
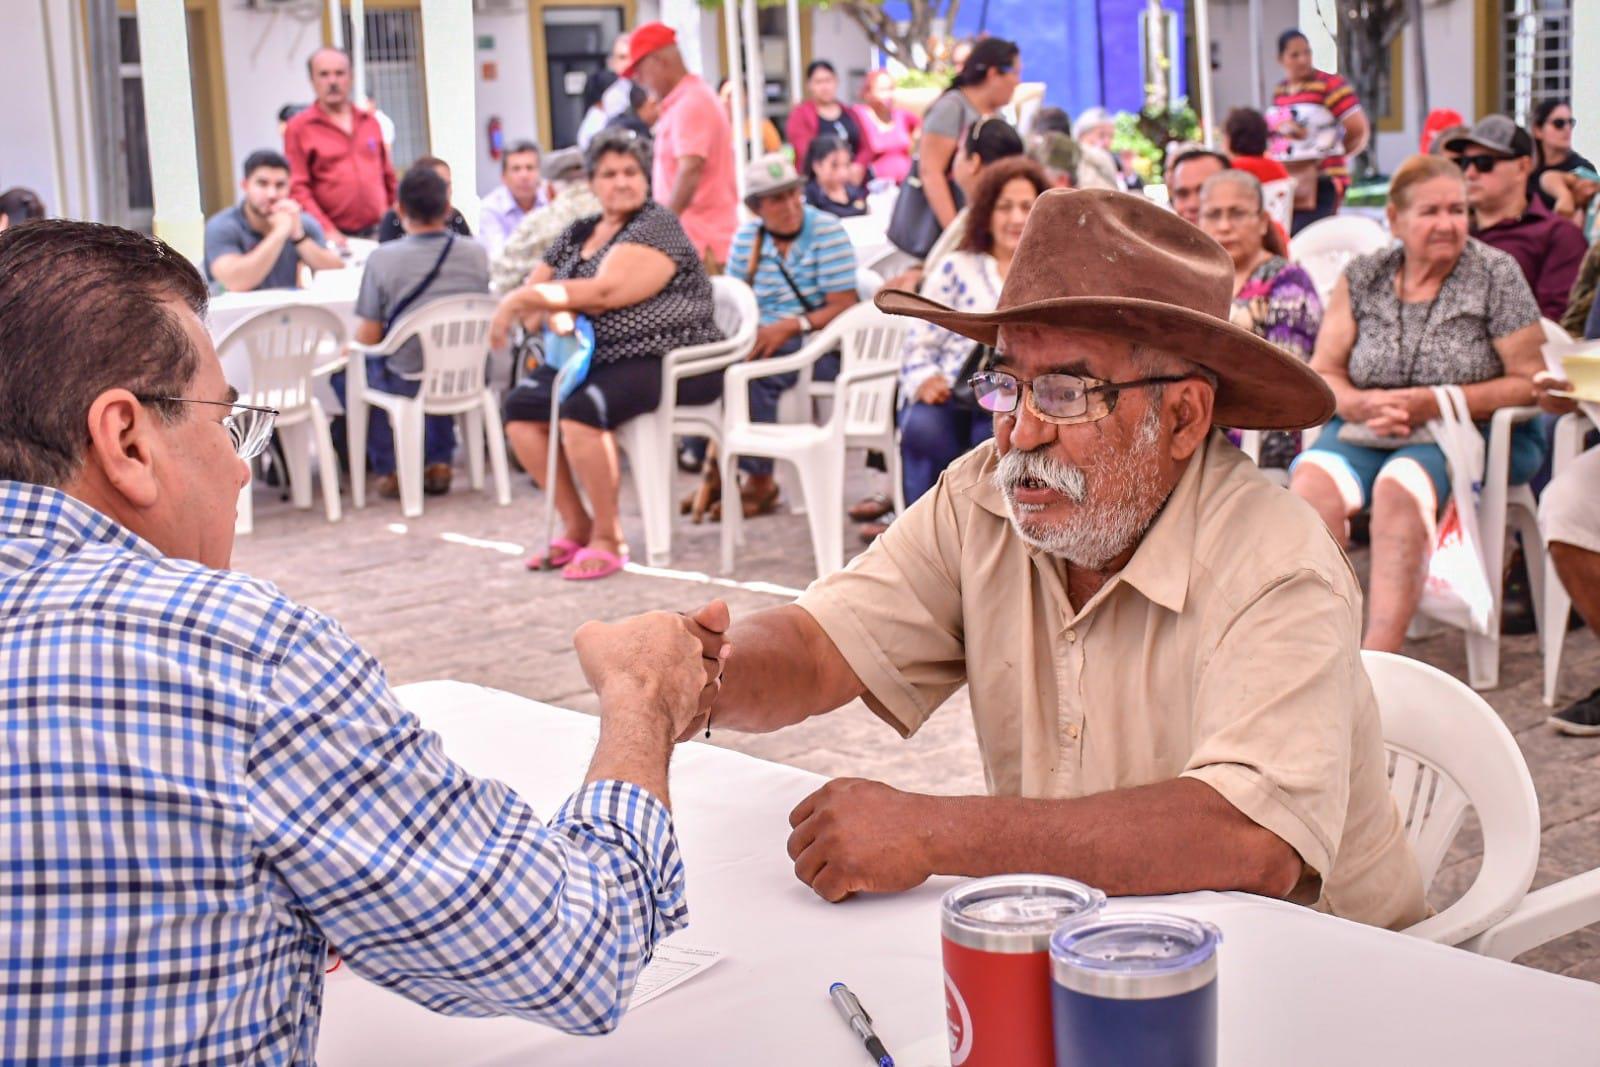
point(282, 346)
point(871, 340)
point(737, 313)
point(1277, 197)
point(454, 332)
point(1449, 750)
point(1326, 246)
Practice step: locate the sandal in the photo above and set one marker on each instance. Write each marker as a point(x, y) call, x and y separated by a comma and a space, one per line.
point(764, 504)
point(614, 562)
point(871, 508)
point(561, 552)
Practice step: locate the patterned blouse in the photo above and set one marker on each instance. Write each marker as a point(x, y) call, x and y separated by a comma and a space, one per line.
point(965, 281)
point(679, 315)
point(1448, 340)
point(1278, 303)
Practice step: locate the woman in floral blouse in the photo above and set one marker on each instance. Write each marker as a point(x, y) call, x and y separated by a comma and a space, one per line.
point(1272, 297)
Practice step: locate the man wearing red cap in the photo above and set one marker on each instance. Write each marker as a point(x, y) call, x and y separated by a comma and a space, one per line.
point(693, 171)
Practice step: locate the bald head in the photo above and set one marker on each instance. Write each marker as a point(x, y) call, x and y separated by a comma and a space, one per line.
point(661, 70)
point(329, 69)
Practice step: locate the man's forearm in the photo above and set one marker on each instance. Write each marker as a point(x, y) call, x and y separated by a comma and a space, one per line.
point(247, 270)
point(1176, 836)
point(690, 168)
point(635, 743)
point(783, 670)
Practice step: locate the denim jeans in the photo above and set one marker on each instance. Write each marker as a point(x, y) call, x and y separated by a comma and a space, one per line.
point(932, 436)
point(439, 431)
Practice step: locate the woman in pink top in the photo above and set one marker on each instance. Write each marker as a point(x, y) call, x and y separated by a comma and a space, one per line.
point(823, 114)
point(888, 133)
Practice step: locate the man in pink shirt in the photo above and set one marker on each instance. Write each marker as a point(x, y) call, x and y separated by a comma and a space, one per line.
point(693, 172)
point(339, 169)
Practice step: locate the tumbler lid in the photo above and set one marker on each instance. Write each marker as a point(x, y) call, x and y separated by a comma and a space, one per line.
point(1135, 955)
point(1015, 913)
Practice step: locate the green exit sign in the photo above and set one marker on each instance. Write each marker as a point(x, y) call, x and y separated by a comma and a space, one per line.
point(485, 42)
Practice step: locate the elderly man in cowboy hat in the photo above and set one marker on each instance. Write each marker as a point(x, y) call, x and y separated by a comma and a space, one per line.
point(1161, 646)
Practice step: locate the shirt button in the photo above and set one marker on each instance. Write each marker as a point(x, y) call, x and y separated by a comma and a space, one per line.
point(1072, 637)
point(1072, 730)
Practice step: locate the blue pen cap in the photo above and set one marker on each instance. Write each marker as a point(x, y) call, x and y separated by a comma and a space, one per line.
point(1134, 955)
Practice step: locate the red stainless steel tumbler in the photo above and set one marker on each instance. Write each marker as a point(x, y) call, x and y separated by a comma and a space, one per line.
point(997, 966)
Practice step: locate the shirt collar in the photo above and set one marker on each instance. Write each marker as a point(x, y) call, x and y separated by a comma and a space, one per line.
point(1160, 566)
point(38, 512)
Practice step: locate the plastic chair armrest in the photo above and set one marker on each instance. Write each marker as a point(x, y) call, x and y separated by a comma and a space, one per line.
point(808, 354)
point(1544, 915)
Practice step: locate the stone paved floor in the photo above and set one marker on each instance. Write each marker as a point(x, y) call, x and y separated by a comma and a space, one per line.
point(446, 596)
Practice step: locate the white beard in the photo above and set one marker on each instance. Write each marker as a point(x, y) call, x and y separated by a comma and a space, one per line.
point(1088, 537)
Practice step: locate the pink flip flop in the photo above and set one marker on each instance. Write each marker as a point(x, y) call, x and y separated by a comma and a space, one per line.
point(613, 564)
point(562, 552)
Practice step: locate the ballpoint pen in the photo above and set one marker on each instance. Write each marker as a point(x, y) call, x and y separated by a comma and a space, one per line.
point(856, 1016)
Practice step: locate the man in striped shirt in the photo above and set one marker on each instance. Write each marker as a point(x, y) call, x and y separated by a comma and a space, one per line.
point(802, 266)
point(207, 785)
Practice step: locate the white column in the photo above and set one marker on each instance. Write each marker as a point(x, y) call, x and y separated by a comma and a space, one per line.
point(358, 51)
point(1319, 21)
point(684, 18)
point(733, 72)
point(755, 77)
point(336, 23)
point(1202, 32)
point(796, 75)
point(169, 118)
point(449, 73)
point(1585, 85)
point(1258, 88)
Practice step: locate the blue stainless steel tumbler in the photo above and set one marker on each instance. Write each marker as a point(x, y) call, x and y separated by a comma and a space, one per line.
point(1135, 990)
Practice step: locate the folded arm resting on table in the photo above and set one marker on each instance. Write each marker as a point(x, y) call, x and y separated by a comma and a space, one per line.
point(859, 836)
point(446, 887)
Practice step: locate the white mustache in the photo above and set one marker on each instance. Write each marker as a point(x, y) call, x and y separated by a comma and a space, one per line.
point(1015, 467)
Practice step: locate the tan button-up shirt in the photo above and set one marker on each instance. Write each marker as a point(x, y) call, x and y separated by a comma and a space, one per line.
point(1227, 650)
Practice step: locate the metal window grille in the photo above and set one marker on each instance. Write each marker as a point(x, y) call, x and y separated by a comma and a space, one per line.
point(394, 78)
point(1538, 51)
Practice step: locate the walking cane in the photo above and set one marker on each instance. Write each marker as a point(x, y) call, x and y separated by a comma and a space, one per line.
point(550, 465)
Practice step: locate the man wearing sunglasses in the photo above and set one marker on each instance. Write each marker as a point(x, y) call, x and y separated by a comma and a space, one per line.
point(207, 785)
point(1160, 646)
point(1497, 156)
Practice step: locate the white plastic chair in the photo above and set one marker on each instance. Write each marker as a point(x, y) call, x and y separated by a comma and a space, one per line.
point(648, 439)
point(280, 348)
point(1277, 197)
point(454, 333)
point(863, 416)
point(1542, 916)
point(1566, 447)
point(1324, 247)
point(1449, 750)
point(945, 244)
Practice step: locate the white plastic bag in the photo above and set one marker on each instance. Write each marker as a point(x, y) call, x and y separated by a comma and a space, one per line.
point(1457, 588)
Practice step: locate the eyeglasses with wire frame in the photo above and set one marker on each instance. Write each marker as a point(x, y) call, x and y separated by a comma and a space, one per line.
point(1061, 399)
point(249, 426)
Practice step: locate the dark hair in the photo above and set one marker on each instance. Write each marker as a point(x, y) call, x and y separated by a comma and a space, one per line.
point(617, 141)
point(424, 196)
point(433, 163)
point(992, 139)
point(1050, 120)
point(325, 48)
point(821, 148)
point(1246, 130)
point(20, 205)
point(80, 313)
point(289, 111)
point(1546, 108)
point(980, 215)
point(991, 53)
point(637, 97)
point(595, 86)
point(1289, 37)
point(264, 157)
point(820, 64)
point(518, 148)
point(1193, 154)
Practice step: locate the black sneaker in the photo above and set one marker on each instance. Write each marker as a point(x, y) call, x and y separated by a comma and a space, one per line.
point(1581, 719)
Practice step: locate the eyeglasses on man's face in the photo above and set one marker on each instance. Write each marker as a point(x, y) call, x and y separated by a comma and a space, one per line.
point(249, 426)
point(1061, 399)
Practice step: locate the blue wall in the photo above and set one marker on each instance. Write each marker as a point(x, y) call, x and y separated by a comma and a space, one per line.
point(1085, 51)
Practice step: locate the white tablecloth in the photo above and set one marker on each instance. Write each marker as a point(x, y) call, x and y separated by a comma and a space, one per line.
point(1296, 987)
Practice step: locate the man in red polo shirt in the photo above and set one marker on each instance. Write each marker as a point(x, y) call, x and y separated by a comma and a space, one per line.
point(339, 169)
point(693, 171)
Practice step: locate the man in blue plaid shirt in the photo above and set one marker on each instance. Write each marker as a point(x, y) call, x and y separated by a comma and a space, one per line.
point(204, 786)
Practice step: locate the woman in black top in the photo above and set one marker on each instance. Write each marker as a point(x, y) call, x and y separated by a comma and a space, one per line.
point(633, 272)
point(829, 188)
point(1552, 133)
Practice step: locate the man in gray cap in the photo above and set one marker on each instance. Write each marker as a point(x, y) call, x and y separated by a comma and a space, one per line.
point(570, 199)
point(1497, 156)
point(1059, 155)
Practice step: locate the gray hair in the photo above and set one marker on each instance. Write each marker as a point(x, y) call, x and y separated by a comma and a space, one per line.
point(1156, 363)
point(618, 142)
point(1248, 183)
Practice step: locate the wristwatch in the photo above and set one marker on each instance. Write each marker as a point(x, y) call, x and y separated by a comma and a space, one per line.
point(805, 324)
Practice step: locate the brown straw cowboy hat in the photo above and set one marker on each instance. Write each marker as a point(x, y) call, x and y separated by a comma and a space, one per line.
point(1115, 263)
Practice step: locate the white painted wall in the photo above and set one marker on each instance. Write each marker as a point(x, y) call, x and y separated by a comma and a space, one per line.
point(1450, 34)
point(1230, 34)
point(511, 96)
point(264, 53)
point(30, 154)
point(840, 41)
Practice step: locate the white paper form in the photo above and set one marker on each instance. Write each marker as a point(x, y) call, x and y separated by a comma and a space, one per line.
point(672, 965)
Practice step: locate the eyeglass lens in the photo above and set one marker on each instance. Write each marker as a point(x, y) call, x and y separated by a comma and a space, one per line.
point(1061, 396)
point(1483, 164)
point(250, 430)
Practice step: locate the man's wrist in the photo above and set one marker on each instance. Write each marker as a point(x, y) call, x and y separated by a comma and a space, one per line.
point(638, 703)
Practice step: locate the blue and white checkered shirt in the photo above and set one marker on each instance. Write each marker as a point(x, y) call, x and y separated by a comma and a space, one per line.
point(203, 785)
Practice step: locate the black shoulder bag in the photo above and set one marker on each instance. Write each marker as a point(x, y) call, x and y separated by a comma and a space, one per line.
point(913, 227)
point(405, 302)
